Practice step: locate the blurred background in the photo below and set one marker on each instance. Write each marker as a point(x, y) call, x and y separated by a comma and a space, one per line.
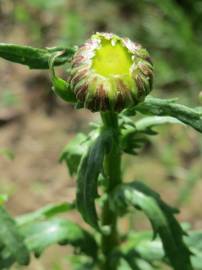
point(35, 125)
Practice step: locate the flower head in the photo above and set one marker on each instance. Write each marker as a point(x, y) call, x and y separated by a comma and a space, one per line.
point(110, 73)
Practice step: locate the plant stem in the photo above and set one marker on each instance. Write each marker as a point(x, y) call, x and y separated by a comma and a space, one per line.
point(112, 169)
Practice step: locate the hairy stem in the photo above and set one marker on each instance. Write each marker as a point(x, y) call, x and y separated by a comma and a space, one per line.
point(112, 168)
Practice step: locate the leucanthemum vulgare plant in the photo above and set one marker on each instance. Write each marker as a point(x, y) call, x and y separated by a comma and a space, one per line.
point(112, 76)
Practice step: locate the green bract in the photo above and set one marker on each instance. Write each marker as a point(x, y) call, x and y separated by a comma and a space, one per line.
point(110, 73)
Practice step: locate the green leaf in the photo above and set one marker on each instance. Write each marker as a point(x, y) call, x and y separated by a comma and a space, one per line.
point(130, 259)
point(33, 57)
point(60, 87)
point(137, 263)
point(161, 217)
point(124, 265)
point(146, 124)
point(40, 235)
point(11, 239)
point(46, 212)
point(81, 262)
point(133, 135)
point(90, 168)
point(169, 107)
point(194, 241)
point(133, 142)
point(74, 151)
point(142, 245)
point(6, 261)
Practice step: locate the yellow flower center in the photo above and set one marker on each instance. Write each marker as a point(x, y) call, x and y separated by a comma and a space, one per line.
point(112, 60)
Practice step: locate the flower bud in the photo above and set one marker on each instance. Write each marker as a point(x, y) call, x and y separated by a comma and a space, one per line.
point(110, 73)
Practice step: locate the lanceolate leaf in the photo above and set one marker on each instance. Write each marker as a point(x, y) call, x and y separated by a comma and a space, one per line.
point(161, 217)
point(33, 57)
point(11, 240)
point(40, 235)
point(89, 170)
point(169, 107)
point(146, 124)
point(45, 212)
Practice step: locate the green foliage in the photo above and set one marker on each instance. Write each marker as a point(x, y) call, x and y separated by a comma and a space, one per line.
point(179, 43)
point(156, 106)
point(90, 168)
point(161, 217)
point(32, 57)
point(74, 151)
point(81, 262)
point(11, 241)
point(135, 135)
point(46, 212)
point(29, 234)
point(194, 242)
point(40, 235)
point(141, 245)
point(146, 124)
point(60, 87)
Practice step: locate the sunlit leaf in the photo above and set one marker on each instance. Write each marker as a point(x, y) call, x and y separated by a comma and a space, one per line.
point(146, 124)
point(40, 235)
point(46, 212)
point(162, 218)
